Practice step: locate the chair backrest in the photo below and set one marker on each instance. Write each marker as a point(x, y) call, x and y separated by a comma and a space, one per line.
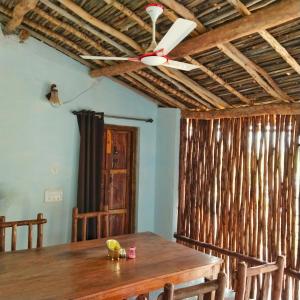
point(84, 217)
point(39, 221)
point(245, 277)
point(217, 286)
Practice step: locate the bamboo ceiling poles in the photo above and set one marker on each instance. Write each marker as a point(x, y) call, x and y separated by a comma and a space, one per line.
point(118, 46)
point(279, 13)
point(166, 99)
point(234, 88)
point(242, 8)
point(258, 74)
point(202, 92)
point(98, 47)
point(99, 24)
point(173, 17)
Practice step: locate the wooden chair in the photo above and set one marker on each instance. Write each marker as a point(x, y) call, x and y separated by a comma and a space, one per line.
point(84, 217)
point(39, 221)
point(267, 271)
point(217, 286)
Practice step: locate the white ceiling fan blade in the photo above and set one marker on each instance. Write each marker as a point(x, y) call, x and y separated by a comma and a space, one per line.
point(178, 31)
point(106, 57)
point(179, 65)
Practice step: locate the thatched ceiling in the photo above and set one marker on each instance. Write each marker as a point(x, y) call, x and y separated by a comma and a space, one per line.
point(255, 69)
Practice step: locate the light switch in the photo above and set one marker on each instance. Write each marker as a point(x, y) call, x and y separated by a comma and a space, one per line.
point(53, 195)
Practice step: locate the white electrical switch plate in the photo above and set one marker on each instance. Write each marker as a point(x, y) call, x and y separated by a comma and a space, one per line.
point(53, 195)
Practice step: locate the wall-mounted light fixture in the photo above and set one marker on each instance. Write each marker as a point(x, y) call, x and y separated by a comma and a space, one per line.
point(52, 96)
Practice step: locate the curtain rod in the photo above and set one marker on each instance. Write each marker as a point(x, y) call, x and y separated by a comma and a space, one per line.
point(149, 120)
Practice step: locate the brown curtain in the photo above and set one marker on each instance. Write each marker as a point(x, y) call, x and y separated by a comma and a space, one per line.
point(91, 126)
point(239, 188)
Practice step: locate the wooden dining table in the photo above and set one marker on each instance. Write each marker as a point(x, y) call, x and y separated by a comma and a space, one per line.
point(82, 270)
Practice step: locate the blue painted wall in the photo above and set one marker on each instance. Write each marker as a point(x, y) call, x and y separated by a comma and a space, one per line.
point(39, 143)
point(167, 171)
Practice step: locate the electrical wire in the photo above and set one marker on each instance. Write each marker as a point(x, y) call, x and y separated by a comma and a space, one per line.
point(81, 93)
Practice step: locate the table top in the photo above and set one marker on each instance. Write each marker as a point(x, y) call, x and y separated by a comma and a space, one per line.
point(82, 270)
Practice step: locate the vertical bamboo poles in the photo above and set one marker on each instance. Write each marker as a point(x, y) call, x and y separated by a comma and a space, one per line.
point(239, 189)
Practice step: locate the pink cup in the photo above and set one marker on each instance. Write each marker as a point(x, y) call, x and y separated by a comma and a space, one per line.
point(131, 252)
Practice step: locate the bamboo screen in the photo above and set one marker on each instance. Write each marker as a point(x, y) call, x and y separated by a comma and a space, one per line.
point(239, 188)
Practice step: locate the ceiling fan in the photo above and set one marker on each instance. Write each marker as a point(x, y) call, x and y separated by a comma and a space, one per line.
point(157, 54)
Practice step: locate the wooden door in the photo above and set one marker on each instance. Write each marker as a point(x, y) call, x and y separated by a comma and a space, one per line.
point(118, 184)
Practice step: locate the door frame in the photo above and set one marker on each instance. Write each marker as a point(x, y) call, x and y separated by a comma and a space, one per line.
point(133, 171)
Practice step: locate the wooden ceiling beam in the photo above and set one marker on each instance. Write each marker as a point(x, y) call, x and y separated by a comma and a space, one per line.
point(127, 12)
point(72, 30)
point(243, 10)
point(86, 26)
point(19, 11)
point(256, 110)
point(184, 12)
point(220, 80)
point(256, 72)
point(76, 9)
point(268, 17)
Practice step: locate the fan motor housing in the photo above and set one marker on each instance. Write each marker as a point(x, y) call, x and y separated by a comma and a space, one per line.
point(153, 60)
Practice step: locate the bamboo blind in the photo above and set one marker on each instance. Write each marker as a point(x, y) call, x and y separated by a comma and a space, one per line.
point(239, 188)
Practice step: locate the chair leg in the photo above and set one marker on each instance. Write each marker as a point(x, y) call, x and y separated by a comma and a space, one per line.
point(143, 297)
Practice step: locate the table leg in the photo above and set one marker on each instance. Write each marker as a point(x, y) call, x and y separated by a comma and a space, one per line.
point(214, 275)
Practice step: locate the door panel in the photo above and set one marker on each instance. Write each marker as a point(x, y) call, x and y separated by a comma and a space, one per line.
point(119, 178)
point(120, 150)
point(118, 191)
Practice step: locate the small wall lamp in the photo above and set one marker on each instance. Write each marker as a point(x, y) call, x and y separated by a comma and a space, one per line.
point(52, 96)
